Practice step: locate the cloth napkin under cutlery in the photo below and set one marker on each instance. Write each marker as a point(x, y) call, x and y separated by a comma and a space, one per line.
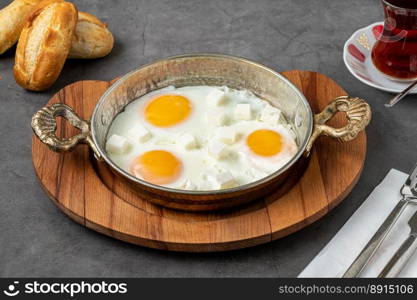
point(335, 258)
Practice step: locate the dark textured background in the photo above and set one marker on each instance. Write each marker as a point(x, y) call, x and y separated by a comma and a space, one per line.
point(36, 239)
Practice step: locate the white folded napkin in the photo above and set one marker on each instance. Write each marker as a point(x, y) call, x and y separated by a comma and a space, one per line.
point(336, 257)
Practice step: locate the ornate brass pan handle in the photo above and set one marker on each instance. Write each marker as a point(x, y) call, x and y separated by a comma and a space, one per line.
point(358, 114)
point(44, 125)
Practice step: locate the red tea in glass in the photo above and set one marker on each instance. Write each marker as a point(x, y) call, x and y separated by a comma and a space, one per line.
point(395, 52)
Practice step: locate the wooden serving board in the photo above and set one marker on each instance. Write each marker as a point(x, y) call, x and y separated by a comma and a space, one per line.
point(89, 194)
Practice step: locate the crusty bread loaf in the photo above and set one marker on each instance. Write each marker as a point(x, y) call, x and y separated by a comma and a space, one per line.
point(91, 39)
point(44, 44)
point(12, 19)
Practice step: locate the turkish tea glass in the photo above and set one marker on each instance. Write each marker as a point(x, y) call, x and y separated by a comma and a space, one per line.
point(395, 52)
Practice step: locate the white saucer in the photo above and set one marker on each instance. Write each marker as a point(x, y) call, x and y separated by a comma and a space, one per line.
point(357, 58)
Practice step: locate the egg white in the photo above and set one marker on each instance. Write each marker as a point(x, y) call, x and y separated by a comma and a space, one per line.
point(197, 163)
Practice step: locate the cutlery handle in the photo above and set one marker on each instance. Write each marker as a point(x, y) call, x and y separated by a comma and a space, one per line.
point(363, 258)
point(398, 260)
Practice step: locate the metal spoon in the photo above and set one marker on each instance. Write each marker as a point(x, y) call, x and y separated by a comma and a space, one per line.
point(401, 95)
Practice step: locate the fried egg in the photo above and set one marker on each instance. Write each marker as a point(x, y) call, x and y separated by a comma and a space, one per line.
point(157, 166)
point(200, 138)
point(266, 148)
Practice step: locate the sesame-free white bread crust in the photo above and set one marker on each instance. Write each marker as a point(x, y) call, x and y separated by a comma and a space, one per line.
point(12, 19)
point(91, 39)
point(44, 44)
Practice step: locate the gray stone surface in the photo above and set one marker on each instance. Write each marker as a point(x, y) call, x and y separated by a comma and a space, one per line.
point(36, 239)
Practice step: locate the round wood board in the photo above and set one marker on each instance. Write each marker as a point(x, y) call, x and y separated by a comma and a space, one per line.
point(89, 194)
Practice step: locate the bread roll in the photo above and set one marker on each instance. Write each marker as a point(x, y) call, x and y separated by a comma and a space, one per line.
point(12, 19)
point(44, 44)
point(91, 39)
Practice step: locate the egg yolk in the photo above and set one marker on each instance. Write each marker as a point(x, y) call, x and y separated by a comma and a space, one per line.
point(265, 142)
point(167, 110)
point(157, 166)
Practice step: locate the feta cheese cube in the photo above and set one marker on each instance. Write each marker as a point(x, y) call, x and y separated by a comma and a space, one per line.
point(271, 115)
point(216, 97)
point(271, 119)
point(217, 149)
point(187, 141)
point(227, 135)
point(223, 180)
point(243, 112)
point(117, 144)
point(217, 118)
point(140, 133)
